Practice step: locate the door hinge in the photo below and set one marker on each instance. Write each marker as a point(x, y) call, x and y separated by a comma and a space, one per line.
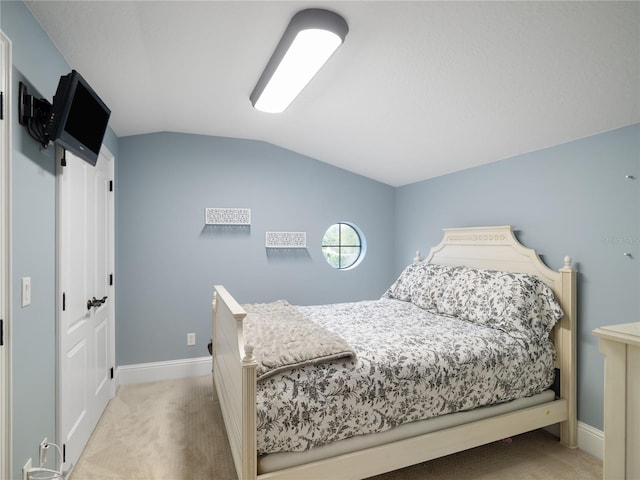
point(111, 279)
point(64, 452)
point(64, 301)
point(63, 160)
point(111, 185)
point(1, 105)
point(1, 332)
point(111, 373)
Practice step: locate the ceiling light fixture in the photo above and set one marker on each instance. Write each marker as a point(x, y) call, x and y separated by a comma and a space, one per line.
point(309, 40)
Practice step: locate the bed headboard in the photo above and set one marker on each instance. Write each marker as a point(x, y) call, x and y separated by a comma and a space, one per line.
point(497, 248)
point(494, 248)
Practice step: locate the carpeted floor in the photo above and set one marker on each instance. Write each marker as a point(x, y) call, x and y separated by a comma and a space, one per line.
point(173, 430)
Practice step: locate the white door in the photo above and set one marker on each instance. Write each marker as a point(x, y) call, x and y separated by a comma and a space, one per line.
point(5, 151)
point(85, 325)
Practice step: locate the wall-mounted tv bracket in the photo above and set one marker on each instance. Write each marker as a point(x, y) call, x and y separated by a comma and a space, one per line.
point(33, 114)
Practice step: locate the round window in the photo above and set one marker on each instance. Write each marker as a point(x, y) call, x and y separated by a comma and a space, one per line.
point(343, 245)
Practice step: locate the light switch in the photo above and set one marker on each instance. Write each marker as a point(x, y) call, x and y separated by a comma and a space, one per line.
point(26, 291)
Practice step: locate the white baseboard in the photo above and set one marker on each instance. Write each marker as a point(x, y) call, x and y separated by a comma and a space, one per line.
point(157, 371)
point(591, 440)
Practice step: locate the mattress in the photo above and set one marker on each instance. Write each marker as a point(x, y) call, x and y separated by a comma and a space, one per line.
point(410, 365)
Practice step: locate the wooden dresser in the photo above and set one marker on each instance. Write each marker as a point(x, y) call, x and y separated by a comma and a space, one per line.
point(620, 345)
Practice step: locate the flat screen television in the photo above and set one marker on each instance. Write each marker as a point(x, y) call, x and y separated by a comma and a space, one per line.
point(78, 118)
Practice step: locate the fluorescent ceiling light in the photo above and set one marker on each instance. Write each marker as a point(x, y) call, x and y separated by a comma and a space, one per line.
point(309, 40)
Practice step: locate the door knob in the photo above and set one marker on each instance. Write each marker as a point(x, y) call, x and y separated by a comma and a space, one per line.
point(94, 302)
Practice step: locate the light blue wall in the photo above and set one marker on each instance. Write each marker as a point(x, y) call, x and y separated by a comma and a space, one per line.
point(168, 261)
point(37, 63)
point(571, 199)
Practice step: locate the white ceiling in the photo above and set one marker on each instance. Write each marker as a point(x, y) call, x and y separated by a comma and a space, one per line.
point(418, 89)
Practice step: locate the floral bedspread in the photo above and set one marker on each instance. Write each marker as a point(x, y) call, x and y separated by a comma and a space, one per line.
point(410, 365)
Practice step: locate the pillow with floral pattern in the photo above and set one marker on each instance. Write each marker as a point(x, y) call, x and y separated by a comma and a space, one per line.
point(429, 283)
point(461, 296)
point(401, 288)
point(521, 304)
point(516, 303)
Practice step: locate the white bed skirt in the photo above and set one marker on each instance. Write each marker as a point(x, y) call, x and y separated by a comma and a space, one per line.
point(279, 461)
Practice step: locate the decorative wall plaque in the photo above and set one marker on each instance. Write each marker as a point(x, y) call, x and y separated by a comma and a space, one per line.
point(227, 216)
point(286, 240)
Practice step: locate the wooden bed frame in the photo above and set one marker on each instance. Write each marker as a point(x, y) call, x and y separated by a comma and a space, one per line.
point(234, 372)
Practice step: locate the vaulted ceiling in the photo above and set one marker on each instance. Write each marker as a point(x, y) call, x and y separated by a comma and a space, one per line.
point(418, 89)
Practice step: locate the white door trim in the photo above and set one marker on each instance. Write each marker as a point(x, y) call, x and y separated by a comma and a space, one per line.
point(112, 268)
point(6, 443)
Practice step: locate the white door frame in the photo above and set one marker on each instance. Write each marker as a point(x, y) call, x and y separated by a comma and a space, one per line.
point(5, 259)
point(62, 281)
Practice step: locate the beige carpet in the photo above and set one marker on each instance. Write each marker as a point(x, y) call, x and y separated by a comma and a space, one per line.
point(173, 431)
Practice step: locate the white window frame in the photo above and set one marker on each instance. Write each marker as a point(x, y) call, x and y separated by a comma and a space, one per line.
point(363, 246)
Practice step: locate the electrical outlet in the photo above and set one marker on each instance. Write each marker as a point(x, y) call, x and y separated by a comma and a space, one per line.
point(191, 339)
point(44, 449)
point(25, 470)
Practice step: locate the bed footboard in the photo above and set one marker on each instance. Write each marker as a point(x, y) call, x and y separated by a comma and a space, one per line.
point(234, 378)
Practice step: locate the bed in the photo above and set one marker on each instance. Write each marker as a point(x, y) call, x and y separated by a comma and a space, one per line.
point(477, 249)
